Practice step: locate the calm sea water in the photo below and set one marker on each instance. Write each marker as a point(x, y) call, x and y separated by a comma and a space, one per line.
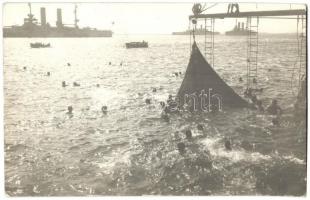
point(131, 151)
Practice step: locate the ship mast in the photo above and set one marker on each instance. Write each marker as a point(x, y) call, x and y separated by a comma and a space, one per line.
point(30, 18)
point(29, 4)
point(75, 17)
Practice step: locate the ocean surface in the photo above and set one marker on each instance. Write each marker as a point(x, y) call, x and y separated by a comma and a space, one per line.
point(131, 150)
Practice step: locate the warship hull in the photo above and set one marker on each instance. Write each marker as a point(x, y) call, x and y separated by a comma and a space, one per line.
point(54, 32)
point(239, 33)
point(196, 33)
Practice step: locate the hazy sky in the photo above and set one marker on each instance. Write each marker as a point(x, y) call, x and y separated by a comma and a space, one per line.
point(150, 18)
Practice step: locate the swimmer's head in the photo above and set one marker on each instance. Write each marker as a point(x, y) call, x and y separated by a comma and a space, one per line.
point(228, 145)
point(104, 109)
point(188, 134)
point(274, 101)
point(200, 127)
point(181, 147)
point(70, 109)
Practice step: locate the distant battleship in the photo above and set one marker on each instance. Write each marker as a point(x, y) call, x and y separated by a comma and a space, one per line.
point(200, 31)
point(31, 28)
point(239, 30)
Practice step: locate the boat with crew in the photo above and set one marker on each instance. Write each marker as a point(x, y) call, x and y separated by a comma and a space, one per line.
point(142, 44)
point(40, 45)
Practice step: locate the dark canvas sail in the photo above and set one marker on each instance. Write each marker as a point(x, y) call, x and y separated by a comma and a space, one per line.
point(200, 79)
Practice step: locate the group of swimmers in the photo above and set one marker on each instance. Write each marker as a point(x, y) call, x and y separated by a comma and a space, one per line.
point(189, 136)
point(254, 81)
point(272, 109)
point(167, 108)
point(121, 63)
point(176, 74)
point(104, 110)
point(75, 84)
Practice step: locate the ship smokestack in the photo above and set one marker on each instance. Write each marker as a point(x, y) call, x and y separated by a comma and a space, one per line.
point(59, 18)
point(242, 25)
point(238, 25)
point(43, 17)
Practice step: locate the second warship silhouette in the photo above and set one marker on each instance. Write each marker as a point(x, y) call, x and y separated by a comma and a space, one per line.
point(31, 28)
point(239, 30)
point(200, 31)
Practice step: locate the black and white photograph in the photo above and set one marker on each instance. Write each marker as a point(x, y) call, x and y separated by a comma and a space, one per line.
point(154, 98)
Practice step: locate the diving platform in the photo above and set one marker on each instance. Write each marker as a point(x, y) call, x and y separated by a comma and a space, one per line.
point(269, 13)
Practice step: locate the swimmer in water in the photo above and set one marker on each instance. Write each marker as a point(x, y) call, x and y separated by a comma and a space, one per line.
point(200, 127)
point(274, 108)
point(76, 84)
point(254, 99)
point(228, 145)
point(104, 110)
point(70, 110)
point(165, 116)
point(214, 108)
point(64, 84)
point(159, 155)
point(162, 104)
point(188, 134)
point(248, 92)
point(260, 90)
point(260, 106)
point(276, 121)
point(246, 145)
point(170, 100)
point(181, 147)
point(148, 101)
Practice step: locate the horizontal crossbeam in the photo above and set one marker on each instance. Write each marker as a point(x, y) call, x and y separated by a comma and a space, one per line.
point(251, 14)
